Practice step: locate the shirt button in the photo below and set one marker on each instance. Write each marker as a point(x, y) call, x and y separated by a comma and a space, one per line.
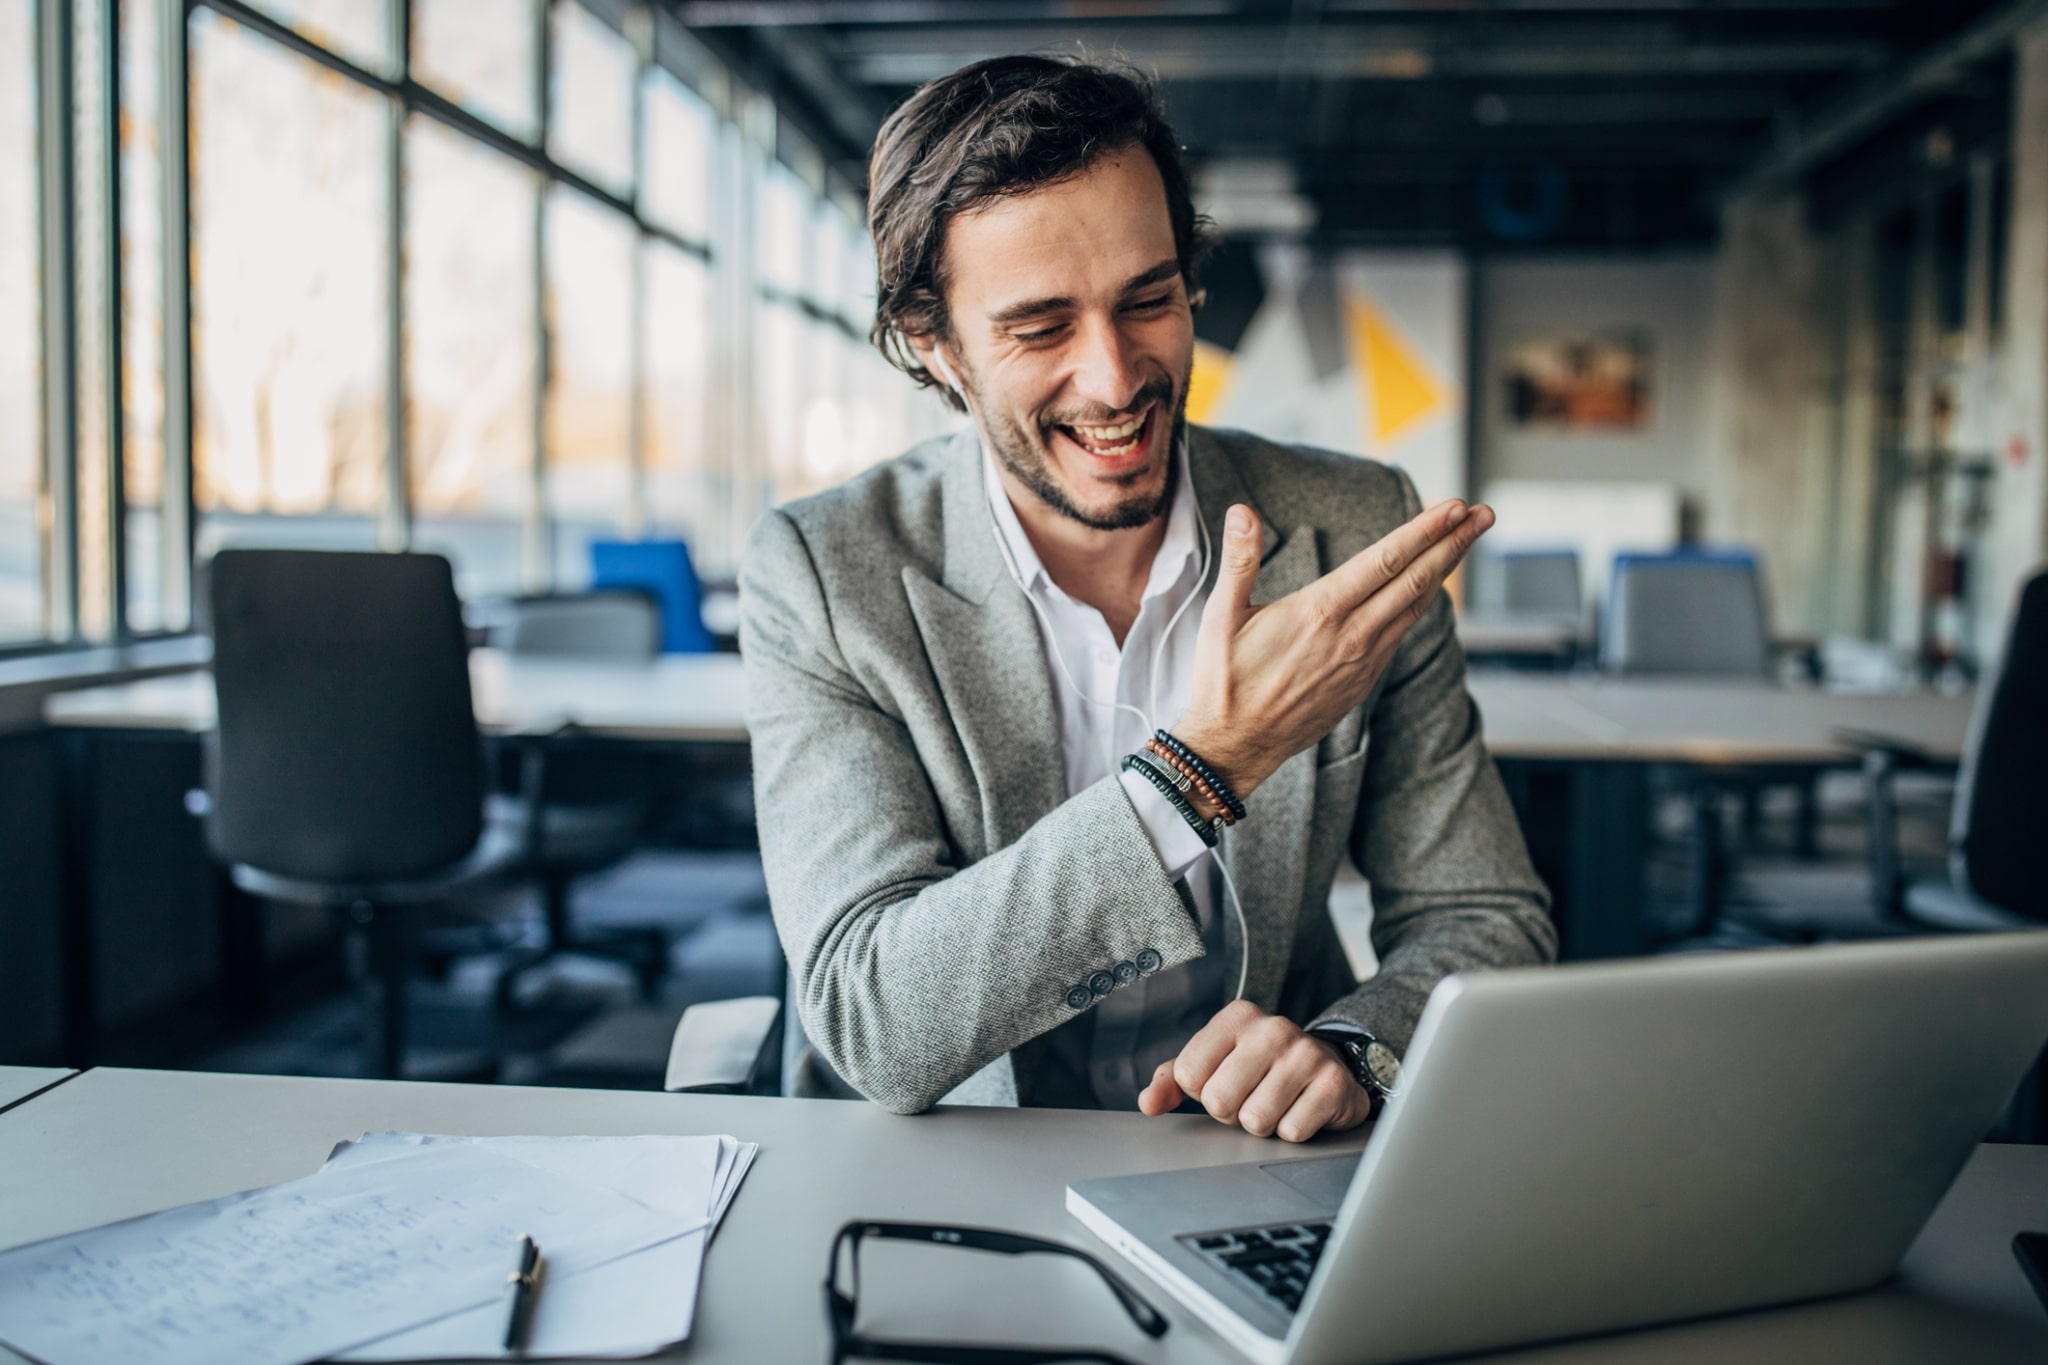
point(1149, 962)
point(1079, 997)
point(1102, 983)
point(1126, 973)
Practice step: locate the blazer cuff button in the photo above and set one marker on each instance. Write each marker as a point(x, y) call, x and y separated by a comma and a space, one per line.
point(1079, 997)
point(1126, 973)
point(1102, 983)
point(1149, 962)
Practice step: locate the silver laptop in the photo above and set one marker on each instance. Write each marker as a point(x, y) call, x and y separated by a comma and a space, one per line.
point(1596, 1147)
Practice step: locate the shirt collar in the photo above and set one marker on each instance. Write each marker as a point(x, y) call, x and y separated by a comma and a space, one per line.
point(1169, 565)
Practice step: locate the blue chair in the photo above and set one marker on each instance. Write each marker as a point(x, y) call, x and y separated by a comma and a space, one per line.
point(1694, 611)
point(661, 567)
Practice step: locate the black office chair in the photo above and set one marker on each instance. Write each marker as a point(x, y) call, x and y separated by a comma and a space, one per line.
point(1996, 873)
point(592, 806)
point(346, 769)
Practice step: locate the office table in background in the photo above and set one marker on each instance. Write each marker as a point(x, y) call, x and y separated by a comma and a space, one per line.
point(17, 1083)
point(1575, 753)
point(113, 1144)
point(678, 698)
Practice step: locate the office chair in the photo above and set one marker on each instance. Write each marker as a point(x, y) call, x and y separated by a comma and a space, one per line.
point(1700, 613)
point(662, 568)
point(1694, 612)
point(1996, 875)
point(584, 810)
point(346, 770)
point(1540, 583)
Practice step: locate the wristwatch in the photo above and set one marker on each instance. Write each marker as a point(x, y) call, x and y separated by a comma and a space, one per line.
point(1373, 1064)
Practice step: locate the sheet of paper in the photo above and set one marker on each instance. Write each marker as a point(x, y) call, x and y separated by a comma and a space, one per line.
point(628, 1307)
point(306, 1269)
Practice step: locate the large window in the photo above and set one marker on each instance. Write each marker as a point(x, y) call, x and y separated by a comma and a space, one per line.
point(589, 429)
point(23, 541)
point(480, 53)
point(469, 354)
point(289, 344)
point(491, 278)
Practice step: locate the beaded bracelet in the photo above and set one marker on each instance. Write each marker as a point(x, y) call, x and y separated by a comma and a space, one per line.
point(1181, 766)
point(1149, 767)
point(1224, 795)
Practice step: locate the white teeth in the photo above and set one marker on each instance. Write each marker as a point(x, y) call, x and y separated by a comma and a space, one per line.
point(1115, 433)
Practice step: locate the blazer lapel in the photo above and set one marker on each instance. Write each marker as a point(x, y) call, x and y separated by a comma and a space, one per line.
point(1266, 855)
point(987, 655)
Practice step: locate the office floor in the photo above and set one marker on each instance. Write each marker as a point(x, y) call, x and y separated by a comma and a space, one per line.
point(580, 1021)
point(575, 1021)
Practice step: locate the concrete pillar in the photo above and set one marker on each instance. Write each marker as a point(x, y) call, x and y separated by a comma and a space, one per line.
point(1769, 482)
point(2016, 542)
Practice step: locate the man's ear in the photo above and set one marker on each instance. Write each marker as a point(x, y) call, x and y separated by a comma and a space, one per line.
point(932, 355)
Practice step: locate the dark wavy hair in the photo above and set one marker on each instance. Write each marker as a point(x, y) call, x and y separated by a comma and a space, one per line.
point(1000, 127)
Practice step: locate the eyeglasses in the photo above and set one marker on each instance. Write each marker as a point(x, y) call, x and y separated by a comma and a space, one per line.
point(840, 1307)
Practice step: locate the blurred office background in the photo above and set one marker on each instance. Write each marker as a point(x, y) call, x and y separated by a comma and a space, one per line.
point(507, 280)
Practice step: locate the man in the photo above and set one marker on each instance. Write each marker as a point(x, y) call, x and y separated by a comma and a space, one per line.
point(948, 659)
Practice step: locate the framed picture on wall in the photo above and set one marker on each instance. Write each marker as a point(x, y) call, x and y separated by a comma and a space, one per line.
point(1582, 381)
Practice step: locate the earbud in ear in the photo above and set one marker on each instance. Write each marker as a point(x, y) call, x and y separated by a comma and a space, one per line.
point(946, 375)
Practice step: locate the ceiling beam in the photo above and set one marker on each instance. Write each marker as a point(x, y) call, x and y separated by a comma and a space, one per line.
point(1404, 52)
point(812, 13)
point(1836, 127)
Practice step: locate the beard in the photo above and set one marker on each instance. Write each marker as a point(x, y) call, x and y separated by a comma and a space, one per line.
point(1023, 452)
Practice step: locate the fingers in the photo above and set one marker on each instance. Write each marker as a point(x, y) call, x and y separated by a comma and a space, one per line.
point(1279, 1091)
point(1331, 1099)
point(1205, 1051)
point(1163, 1095)
point(1404, 600)
point(1372, 568)
point(1261, 1040)
point(1237, 567)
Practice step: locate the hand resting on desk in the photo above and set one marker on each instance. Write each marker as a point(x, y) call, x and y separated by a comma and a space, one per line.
point(1261, 1072)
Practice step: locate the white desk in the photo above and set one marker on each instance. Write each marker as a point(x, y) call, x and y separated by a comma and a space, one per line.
point(677, 697)
point(113, 1144)
point(1704, 721)
point(1518, 635)
point(17, 1083)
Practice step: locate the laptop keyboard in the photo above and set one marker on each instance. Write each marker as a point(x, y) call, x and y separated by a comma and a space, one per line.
point(1275, 1261)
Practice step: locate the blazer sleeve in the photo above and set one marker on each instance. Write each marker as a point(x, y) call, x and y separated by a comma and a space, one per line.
point(914, 972)
point(1452, 886)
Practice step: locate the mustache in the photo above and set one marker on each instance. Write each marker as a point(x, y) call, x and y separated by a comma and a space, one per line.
point(1158, 390)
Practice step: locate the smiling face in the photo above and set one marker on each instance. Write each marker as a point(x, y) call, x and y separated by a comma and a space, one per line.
point(1072, 335)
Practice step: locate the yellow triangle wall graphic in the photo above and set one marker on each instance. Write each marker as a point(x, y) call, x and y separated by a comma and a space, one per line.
point(1399, 387)
point(1209, 382)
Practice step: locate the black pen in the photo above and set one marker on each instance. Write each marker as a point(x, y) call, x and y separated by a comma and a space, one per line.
point(524, 1283)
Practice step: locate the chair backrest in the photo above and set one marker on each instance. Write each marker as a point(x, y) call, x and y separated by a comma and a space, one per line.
point(347, 750)
point(1997, 849)
point(1544, 582)
point(1691, 611)
point(663, 568)
point(620, 624)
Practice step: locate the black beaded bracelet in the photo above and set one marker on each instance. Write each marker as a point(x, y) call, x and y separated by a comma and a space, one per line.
point(1144, 764)
point(1221, 788)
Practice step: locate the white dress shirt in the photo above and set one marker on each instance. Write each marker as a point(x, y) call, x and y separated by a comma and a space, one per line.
point(1142, 1023)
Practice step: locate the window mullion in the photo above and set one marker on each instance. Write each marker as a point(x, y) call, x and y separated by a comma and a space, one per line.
point(178, 514)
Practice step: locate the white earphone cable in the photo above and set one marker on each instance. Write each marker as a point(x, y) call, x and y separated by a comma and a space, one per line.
point(1152, 680)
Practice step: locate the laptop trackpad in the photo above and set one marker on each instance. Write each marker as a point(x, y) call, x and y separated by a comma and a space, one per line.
point(1323, 1179)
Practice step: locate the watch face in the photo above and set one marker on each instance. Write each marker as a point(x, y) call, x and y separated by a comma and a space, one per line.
point(1383, 1064)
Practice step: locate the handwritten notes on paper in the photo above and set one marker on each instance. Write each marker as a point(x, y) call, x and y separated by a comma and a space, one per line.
point(312, 1267)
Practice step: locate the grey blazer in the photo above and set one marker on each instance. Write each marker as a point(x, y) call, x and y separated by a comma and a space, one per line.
point(939, 896)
